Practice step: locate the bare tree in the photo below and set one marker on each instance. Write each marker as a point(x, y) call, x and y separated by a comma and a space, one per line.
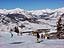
point(59, 27)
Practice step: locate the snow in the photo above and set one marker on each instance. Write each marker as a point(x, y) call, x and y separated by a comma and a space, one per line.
point(27, 41)
point(34, 26)
point(60, 10)
point(44, 24)
point(40, 12)
point(25, 12)
point(44, 21)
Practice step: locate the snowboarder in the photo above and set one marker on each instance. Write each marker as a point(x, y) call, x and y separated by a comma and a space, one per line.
point(38, 36)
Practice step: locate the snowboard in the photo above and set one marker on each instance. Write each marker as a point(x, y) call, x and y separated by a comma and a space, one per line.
point(39, 41)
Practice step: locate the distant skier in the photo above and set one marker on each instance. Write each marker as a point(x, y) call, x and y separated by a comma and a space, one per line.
point(42, 36)
point(16, 30)
point(11, 33)
point(38, 36)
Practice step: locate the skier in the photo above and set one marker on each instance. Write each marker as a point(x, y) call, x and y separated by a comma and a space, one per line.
point(11, 33)
point(16, 30)
point(42, 36)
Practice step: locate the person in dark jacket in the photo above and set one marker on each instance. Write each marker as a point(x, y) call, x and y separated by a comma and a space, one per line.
point(11, 33)
point(16, 30)
point(38, 36)
point(42, 36)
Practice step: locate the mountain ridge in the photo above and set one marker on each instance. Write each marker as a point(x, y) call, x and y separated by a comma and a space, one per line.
point(17, 17)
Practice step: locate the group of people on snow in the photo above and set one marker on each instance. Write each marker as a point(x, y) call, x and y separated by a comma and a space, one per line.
point(37, 33)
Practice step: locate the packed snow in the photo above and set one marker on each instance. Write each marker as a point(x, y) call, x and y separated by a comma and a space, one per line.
point(27, 41)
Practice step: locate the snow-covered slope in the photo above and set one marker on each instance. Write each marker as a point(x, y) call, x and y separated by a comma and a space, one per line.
point(30, 19)
point(32, 12)
point(27, 41)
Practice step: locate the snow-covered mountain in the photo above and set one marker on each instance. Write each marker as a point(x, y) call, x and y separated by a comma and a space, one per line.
point(30, 19)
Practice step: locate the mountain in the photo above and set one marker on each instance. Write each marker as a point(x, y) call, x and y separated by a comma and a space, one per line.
point(18, 17)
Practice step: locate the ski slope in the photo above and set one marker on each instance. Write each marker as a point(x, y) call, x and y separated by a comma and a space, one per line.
point(27, 41)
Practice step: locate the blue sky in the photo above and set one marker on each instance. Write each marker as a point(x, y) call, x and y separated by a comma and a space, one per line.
point(31, 4)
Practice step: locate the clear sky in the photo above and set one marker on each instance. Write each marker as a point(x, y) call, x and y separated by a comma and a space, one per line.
point(31, 4)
